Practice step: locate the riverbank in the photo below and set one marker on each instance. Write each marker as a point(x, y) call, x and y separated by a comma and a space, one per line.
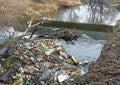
point(39, 62)
point(14, 12)
point(106, 70)
point(113, 1)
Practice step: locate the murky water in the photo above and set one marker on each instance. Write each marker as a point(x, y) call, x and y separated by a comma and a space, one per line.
point(86, 13)
point(85, 48)
point(89, 46)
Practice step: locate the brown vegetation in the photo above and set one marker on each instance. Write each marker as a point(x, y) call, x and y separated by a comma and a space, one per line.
point(67, 3)
point(10, 9)
point(13, 12)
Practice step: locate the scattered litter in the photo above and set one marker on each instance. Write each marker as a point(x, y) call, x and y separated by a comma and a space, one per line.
point(19, 80)
point(83, 70)
point(62, 77)
point(39, 62)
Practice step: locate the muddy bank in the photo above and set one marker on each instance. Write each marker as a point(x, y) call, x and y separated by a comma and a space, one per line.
point(106, 70)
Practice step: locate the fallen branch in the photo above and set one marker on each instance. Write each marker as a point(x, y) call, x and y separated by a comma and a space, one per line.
point(30, 26)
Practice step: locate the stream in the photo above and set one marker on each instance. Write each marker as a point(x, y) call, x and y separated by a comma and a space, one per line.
point(95, 13)
point(89, 46)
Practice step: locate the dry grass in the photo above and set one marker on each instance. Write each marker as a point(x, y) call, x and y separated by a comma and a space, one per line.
point(10, 9)
point(67, 3)
point(13, 12)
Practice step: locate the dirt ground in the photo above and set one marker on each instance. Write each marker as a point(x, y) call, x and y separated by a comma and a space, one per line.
point(106, 70)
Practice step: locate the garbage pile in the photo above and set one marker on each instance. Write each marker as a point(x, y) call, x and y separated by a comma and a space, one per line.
point(39, 62)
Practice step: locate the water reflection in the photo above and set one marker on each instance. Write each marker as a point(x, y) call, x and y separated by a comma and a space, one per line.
point(85, 48)
point(93, 13)
point(95, 35)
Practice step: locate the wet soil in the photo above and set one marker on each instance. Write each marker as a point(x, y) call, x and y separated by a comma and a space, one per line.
point(106, 70)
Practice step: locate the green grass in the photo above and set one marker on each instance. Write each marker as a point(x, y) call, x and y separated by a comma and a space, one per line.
point(115, 5)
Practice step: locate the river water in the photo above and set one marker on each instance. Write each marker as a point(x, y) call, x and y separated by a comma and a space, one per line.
point(85, 48)
point(86, 13)
point(89, 46)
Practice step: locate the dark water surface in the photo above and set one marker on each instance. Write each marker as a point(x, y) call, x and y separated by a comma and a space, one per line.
point(88, 13)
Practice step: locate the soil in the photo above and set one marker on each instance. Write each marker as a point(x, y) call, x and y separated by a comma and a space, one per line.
point(106, 70)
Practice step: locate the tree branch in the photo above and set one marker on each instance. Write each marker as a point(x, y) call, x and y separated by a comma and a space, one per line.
point(14, 40)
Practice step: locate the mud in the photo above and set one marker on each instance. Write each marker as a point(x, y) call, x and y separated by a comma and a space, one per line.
point(106, 70)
